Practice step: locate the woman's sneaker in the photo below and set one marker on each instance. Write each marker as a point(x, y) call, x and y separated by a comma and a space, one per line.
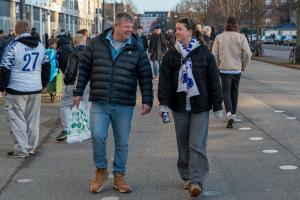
point(62, 136)
point(236, 119)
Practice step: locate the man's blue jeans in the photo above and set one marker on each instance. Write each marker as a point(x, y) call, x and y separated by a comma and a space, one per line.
point(102, 114)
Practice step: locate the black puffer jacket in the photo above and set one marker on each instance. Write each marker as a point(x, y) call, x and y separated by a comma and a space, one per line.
point(115, 81)
point(64, 49)
point(205, 73)
point(72, 67)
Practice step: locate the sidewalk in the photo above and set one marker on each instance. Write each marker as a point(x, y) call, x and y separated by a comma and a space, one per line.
point(49, 124)
point(238, 168)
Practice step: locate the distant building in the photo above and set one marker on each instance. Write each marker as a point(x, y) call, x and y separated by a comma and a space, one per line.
point(48, 15)
point(148, 19)
point(281, 29)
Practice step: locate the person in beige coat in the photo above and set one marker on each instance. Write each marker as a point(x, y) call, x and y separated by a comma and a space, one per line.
point(232, 54)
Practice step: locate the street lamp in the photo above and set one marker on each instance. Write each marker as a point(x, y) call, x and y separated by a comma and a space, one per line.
point(251, 20)
point(22, 10)
point(103, 17)
point(135, 22)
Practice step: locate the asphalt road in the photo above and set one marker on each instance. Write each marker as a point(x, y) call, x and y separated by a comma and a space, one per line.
point(239, 170)
point(277, 51)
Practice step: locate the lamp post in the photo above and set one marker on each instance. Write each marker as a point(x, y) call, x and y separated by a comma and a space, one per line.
point(136, 22)
point(251, 20)
point(22, 10)
point(103, 16)
point(97, 27)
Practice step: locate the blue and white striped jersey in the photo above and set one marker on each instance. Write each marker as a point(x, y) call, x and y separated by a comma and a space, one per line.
point(25, 64)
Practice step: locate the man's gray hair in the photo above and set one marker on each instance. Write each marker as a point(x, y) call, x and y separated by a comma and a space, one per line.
point(124, 16)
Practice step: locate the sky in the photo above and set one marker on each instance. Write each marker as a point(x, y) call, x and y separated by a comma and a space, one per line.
point(155, 5)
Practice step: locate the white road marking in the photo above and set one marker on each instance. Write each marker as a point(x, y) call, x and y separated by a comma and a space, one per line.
point(24, 180)
point(256, 138)
point(291, 118)
point(278, 111)
point(245, 128)
point(288, 167)
point(270, 151)
point(110, 198)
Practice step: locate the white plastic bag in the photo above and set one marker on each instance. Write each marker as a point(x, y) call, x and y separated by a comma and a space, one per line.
point(79, 130)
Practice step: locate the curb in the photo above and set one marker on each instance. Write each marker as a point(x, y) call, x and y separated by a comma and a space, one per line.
point(273, 61)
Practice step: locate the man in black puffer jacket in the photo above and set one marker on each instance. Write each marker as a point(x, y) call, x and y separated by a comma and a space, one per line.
point(113, 63)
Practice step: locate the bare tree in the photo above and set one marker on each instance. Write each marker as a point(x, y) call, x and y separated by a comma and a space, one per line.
point(297, 6)
point(193, 9)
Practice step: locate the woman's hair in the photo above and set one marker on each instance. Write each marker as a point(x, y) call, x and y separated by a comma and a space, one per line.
point(190, 25)
point(231, 24)
point(52, 41)
point(79, 39)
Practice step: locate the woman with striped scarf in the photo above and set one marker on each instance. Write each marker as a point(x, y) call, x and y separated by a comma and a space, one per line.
point(189, 86)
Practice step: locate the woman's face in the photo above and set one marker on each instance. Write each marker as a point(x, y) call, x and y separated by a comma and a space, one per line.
point(182, 33)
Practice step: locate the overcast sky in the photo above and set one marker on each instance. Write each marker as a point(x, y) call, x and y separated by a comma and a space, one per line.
point(155, 5)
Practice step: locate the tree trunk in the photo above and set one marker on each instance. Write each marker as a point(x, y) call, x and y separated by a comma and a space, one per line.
point(298, 31)
point(259, 12)
point(298, 22)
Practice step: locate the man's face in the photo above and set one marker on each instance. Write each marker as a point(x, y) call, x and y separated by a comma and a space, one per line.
point(157, 31)
point(11, 32)
point(139, 31)
point(123, 29)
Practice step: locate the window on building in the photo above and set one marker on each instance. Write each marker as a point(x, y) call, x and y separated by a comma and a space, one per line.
point(52, 16)
point(4, 8)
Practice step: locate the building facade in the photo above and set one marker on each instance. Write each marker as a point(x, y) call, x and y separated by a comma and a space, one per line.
point(49, 15)
point(150, 19)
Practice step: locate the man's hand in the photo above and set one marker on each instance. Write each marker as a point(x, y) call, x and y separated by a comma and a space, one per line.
point(145, 109)
point(76, 100)
point(160, 114)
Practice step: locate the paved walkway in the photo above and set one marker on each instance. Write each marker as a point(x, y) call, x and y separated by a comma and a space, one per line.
point(239, 170)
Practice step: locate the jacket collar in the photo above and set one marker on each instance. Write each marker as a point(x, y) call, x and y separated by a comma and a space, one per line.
point(133, 43)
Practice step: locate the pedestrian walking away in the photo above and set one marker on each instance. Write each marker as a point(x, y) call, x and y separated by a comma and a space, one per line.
point(189, 86)
point(25, 71)
point(232, 52)
point(113, 63)
point(79, 42)
point(51, 53)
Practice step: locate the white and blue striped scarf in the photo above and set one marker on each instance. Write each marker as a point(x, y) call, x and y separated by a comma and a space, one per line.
point(186, 81)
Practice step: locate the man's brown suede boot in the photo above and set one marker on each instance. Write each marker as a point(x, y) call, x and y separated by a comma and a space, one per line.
point(98, 180)
point(120, 183)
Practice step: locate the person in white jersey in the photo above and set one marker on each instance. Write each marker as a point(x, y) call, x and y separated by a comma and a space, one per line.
point(24, 72)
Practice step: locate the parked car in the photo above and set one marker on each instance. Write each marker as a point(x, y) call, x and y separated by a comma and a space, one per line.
point(279, 39)
point(268, 39)
point(254, 36)
point(289, 40)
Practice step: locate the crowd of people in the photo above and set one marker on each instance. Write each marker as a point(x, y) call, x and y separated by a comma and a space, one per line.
point(196, 70)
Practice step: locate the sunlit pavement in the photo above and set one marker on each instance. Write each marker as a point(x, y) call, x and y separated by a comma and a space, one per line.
point(257, 159)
